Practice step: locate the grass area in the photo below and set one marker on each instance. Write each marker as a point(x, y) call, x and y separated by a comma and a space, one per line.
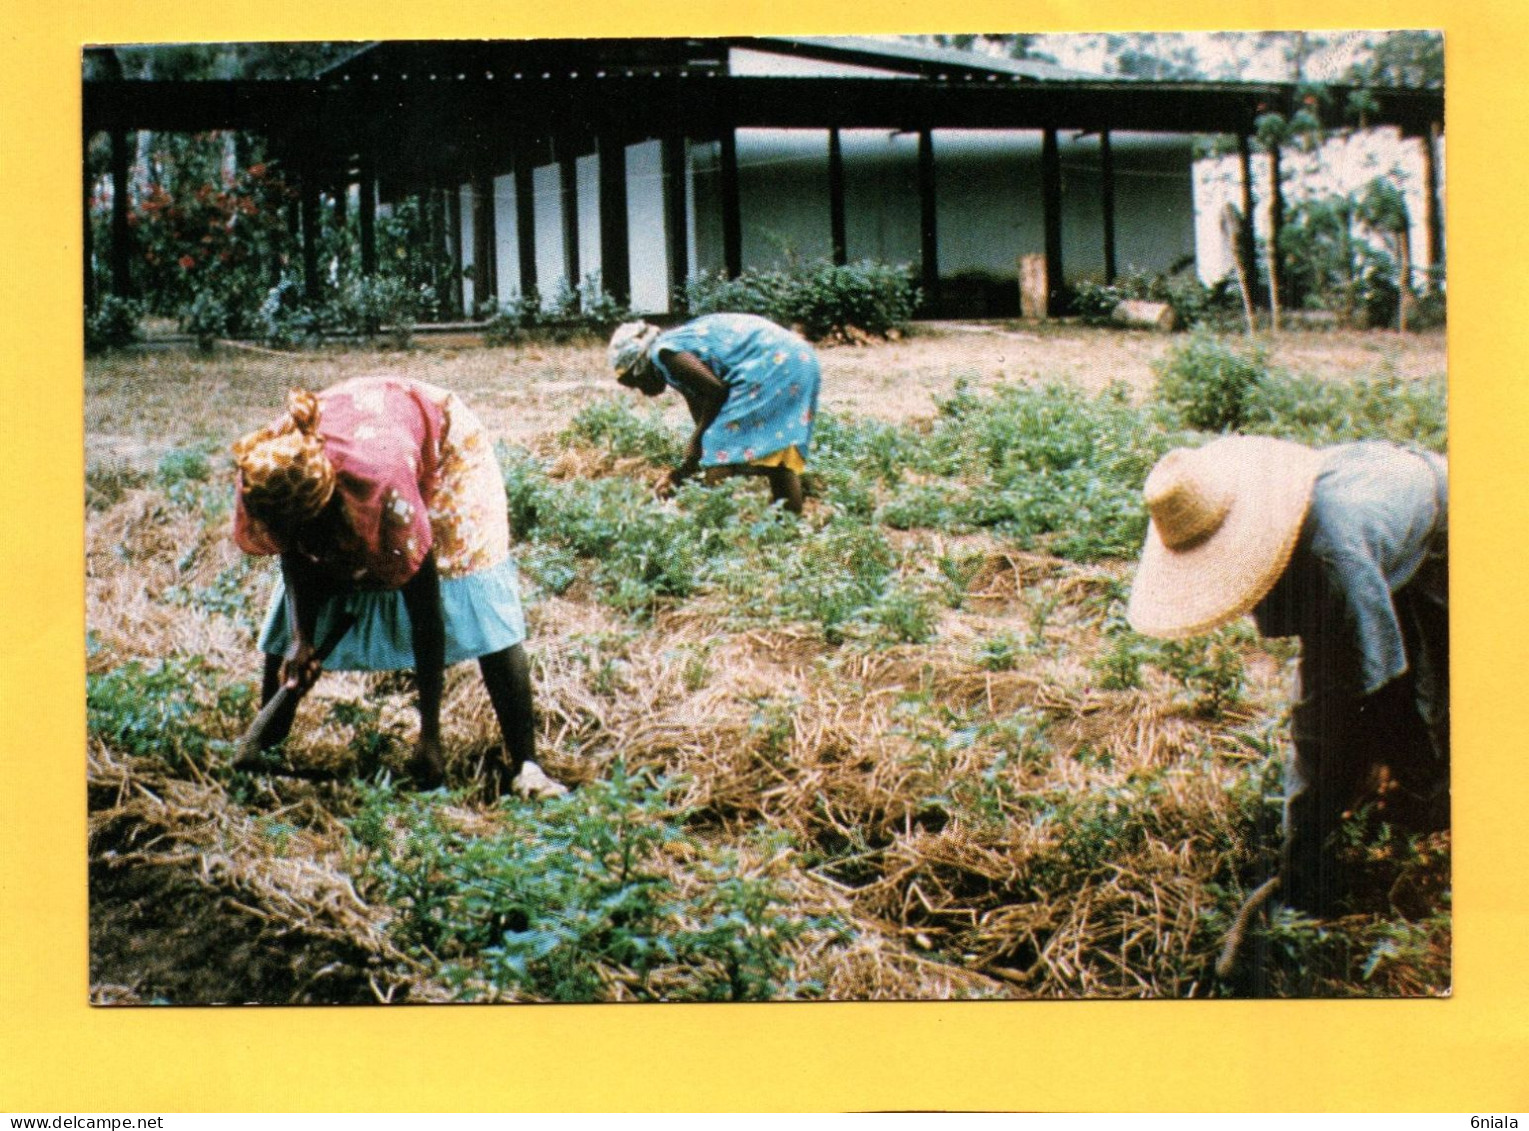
point(903, 748)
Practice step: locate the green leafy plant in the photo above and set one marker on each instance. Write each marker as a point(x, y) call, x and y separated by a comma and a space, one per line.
point(1000, 653)
point(569, 897)
point(614, 426)
point(1320, 412)
point(1209, 667)
point(165, 710)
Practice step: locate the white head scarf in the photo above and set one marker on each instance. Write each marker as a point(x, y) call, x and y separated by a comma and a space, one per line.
point(629, 346)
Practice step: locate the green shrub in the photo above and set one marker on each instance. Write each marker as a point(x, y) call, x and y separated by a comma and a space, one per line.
point(585, 311)
point(1193, 303)
point(1210, 385)
point(569, 894)
point(180, 465)
point(378, 304)
point(113, 324)
point(512, 322)
point(817, 298)
point(1094, 303)
point(286, 319)
point(207, 318)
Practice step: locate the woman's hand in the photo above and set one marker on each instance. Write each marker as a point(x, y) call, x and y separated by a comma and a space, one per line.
point(691, 464)
point(301, 669)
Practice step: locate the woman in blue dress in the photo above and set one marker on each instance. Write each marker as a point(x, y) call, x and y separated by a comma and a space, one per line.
point(752, 390)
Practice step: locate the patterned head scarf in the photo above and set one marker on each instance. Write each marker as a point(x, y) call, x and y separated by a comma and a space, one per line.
point(283, 471)
point(628, 352)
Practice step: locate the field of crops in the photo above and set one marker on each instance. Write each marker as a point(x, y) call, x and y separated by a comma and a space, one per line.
point(902, 748)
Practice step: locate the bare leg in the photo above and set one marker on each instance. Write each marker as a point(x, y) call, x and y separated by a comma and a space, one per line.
point(786, 486)
point(423, 600)
point(507, 676)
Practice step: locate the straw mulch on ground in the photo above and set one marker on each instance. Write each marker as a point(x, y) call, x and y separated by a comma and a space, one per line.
point(978, 828)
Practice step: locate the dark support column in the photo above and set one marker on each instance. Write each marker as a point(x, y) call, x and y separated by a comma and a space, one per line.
point(1277, 223)
point(568, 194)
point(676, 217)
point(836, 225)
point(121, 234)
point(485, 285)
point(929, 242)
point(366, 214)
point(1051, 218)
point(732, 213)
point(1432, 214)
point(615, 247)
point(454, 237)
point(1107, 202)
point(341, 204)
point(433, 212)
point(1247, 249)
point(308, 209)
point(525, 221)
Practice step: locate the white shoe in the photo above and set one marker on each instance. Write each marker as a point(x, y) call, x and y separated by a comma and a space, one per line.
point(532, 783)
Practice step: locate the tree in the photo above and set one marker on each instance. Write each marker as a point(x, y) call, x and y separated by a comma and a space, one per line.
point(1016, 46)
point(1400, 58)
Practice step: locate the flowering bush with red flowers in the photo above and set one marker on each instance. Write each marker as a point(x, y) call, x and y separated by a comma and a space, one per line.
point(209, 239)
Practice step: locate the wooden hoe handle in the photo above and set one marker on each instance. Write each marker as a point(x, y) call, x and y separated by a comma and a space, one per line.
point(248, 747)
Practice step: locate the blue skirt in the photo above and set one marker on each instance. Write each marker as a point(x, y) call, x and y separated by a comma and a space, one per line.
point(482, 612)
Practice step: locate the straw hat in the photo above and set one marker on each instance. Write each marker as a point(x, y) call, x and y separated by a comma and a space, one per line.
point(629, 346)
point(1225, 519)
point(283, 471)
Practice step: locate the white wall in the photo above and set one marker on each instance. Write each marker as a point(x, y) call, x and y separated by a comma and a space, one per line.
point(1343, 165)
point(1154, 203)
point(988, 199)
point(705, 221)
point(881, 205)
point(647, 247)
point(588, 178)
point(506, 245)
point(547, 207)
point(988, 190)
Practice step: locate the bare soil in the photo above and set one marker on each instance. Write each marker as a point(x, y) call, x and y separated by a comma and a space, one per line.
point(139, 404)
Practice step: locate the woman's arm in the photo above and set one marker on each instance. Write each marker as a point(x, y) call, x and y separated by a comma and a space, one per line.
point(704, 394)
point(306, 591)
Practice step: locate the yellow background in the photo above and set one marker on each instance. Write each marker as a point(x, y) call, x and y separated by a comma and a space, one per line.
point(1470, 1053)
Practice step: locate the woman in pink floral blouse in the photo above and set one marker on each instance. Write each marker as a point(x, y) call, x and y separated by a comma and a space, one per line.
point(383, 499)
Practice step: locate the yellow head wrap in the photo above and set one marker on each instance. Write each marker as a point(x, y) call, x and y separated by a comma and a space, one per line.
point(283, 470)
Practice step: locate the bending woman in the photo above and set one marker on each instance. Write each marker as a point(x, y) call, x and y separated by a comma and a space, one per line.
point(752, 390)
point(382, 496)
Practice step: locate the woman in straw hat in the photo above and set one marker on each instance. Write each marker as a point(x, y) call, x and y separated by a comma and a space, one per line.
point(752, 390)
point(1344, 548)
point(383, 498)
